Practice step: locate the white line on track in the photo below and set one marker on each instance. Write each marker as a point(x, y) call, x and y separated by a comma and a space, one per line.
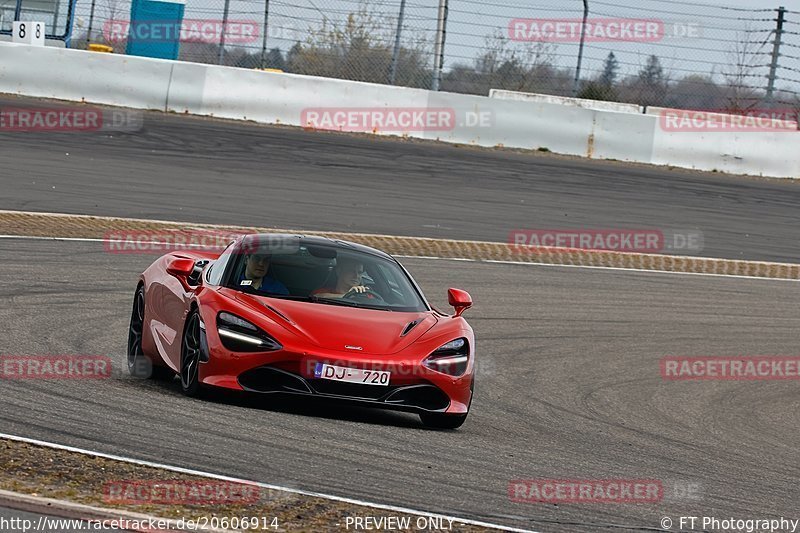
point(230, 479)
point(426, 257)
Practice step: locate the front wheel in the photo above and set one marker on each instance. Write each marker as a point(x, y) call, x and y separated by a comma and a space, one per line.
point(190, 356)
point(442, 421)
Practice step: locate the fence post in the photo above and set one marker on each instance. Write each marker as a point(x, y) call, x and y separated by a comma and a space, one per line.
point(264, 40)
point(396, 54)
point(577, 81)
point(91, 24)
point(776, 54)
point(224, 28)
point(438, 52)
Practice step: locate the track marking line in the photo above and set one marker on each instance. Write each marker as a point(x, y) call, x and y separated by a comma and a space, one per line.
point(230, 479)
point(67, 510)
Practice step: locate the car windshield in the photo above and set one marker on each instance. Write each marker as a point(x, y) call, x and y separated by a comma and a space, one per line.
point(325, 274)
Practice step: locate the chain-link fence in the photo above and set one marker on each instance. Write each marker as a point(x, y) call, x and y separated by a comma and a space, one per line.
point(672, 54)
point(54, 14)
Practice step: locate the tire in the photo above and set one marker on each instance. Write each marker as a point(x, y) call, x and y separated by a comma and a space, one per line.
point(139, 364)
point(442, 421)
point(190, 356)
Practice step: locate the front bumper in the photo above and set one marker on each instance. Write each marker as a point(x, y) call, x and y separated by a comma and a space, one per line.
point(413, 386)
point(420, 397)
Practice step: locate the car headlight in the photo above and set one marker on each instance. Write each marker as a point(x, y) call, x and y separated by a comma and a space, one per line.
point(451, 358)
point(239, 335)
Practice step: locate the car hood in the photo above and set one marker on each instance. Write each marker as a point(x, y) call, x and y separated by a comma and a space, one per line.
point(335, 327)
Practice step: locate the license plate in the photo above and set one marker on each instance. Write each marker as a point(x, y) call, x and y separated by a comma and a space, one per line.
point(352, 375)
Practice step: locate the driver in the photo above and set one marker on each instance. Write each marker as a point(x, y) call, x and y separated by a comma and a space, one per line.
point(255, 275)
point(349, 272)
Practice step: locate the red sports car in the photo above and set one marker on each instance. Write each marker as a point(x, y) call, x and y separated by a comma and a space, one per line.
point(308, 316)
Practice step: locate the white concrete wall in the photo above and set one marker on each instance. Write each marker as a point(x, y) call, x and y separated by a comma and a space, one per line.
point(715, 142)
point(599, 105)
point(276, 98)
point(84, 76)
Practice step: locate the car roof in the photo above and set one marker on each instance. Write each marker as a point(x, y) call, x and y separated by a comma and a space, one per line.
point(315, 240)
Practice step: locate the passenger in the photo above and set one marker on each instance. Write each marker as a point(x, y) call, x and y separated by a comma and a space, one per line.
point(349, 273)
point(256, 276)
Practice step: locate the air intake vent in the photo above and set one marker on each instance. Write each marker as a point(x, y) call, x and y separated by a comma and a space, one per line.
point(278, 313)
point(410, 326)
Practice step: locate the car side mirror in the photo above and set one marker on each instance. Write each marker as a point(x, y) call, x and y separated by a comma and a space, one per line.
point(460, 300)
point(180, 267)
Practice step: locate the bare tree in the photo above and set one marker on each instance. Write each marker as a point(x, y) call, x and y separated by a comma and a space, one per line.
point(503, 65)
point(117, 9)
point(743, 59)
point(649, 87)
point(111, 15)
point(794, 105)
point(696, 91)
point(358, 48)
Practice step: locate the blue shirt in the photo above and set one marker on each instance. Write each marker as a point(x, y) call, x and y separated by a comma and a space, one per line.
point(269, 285)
